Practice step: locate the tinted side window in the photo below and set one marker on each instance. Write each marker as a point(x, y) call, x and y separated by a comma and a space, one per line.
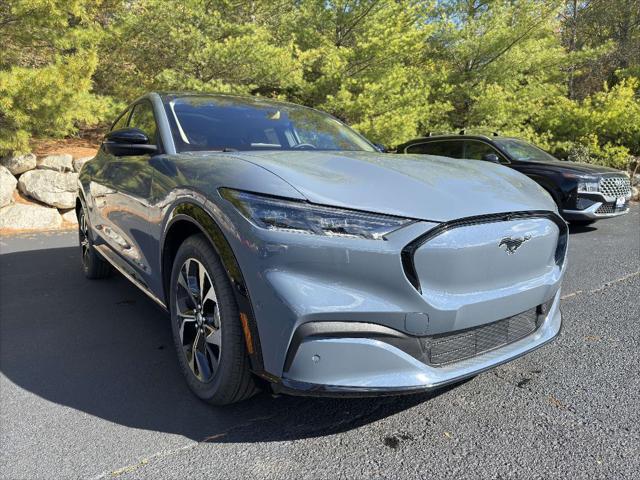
point(122, 121)
point(142, 118)
point(475, 150)
point(442, 148)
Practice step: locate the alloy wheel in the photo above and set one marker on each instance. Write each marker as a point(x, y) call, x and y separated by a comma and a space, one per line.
point(198, 318)
point(83, 234)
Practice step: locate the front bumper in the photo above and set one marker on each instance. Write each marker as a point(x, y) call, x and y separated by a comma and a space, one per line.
point(370, 365)
point(594, 206)
point(467, 278)
point(598, 210)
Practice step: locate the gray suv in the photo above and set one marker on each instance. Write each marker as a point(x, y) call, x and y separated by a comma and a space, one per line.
point(290, 254)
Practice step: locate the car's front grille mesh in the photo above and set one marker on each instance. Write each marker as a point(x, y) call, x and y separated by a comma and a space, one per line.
point(456, 346)
point(615, 187)
point(606, 208)
point(611, 208)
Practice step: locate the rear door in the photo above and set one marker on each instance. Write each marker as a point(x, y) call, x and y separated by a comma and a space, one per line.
point(442, 148)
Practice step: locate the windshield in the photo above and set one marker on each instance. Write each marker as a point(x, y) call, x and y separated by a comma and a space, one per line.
point(523, 151)
point(234, 124)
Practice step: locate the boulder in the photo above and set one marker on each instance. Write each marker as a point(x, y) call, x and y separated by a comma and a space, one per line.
point(53, 188)
point(70, 216)
point(29, 216)
point(58, 163)
point(18, 164)
point(79, 162)
point(635, 194)
point(7, 185)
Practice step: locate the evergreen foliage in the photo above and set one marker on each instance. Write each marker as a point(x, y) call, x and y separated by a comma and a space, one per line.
point(564, 74)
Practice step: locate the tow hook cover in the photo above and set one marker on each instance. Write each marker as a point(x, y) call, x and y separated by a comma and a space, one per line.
point(416, 323)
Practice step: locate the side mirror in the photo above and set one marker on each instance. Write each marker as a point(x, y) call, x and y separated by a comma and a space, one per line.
point(491, 157)
point(128, 142)
point(381, 148)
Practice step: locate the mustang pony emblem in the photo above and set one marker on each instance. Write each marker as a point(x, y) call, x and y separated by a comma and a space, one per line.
point(512, 244)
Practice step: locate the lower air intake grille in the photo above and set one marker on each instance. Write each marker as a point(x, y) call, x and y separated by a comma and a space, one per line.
point(611, 208)
point(606, 208)
point(456, 346)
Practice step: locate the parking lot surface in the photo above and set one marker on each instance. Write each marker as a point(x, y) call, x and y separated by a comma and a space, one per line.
point(90, 388)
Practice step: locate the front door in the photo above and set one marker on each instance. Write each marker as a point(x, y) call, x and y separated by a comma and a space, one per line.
point(129, 228)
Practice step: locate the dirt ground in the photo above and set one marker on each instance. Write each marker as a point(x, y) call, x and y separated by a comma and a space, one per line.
point(84, 144)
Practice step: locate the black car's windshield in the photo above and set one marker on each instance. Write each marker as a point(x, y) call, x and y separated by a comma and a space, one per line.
point(223, 123)
point(523, 151)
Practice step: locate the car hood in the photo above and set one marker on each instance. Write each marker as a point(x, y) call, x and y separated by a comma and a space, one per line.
point(573, 167)
point(416, 186)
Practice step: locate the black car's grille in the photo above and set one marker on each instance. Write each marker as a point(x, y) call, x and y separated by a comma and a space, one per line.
point(456, 346)
point(606, 208)
point(614, 187)
point(610, 208)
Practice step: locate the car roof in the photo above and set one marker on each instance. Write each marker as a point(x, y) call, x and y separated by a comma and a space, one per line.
point(168, 96)
point(453, 136)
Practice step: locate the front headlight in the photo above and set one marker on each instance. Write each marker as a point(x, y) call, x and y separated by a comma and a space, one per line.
point(273, 213)
point(588, 186)
point(585, 184)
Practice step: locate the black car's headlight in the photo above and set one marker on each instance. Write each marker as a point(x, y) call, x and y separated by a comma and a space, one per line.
point(588, 186)
point(274, 213)
point(585, 184)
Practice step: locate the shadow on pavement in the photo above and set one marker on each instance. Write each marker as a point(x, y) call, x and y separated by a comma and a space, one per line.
point(103, 348)
point(575, 228)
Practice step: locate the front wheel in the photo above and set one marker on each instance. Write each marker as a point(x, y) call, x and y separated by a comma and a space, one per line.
point(206, 327)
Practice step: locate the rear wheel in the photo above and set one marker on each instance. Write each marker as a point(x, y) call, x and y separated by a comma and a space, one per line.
point(206, 326)
point(93, 265)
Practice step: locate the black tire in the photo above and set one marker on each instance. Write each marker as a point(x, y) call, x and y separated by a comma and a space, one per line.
point(211, 348)
point(93, 265)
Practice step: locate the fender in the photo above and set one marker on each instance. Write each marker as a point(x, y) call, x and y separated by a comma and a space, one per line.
point(80, 199)
point(558, 195)
point(206, 224)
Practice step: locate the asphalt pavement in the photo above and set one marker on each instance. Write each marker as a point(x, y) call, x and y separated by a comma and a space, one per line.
point(90, 388)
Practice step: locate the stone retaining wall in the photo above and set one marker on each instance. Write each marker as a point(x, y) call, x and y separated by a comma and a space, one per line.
point(38, 193)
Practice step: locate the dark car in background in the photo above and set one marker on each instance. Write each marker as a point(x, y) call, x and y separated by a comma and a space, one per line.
point(584, 192)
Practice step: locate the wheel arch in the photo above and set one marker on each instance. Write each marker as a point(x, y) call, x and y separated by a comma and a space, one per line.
point(187, 219)
point(78, 207)
point(80, 201)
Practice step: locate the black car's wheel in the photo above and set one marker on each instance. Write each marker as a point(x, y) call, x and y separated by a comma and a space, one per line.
point(206, 327)
point(93, 265)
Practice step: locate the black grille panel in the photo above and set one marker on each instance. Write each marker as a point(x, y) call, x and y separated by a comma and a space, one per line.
point(456, 346)
point(409, 250)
